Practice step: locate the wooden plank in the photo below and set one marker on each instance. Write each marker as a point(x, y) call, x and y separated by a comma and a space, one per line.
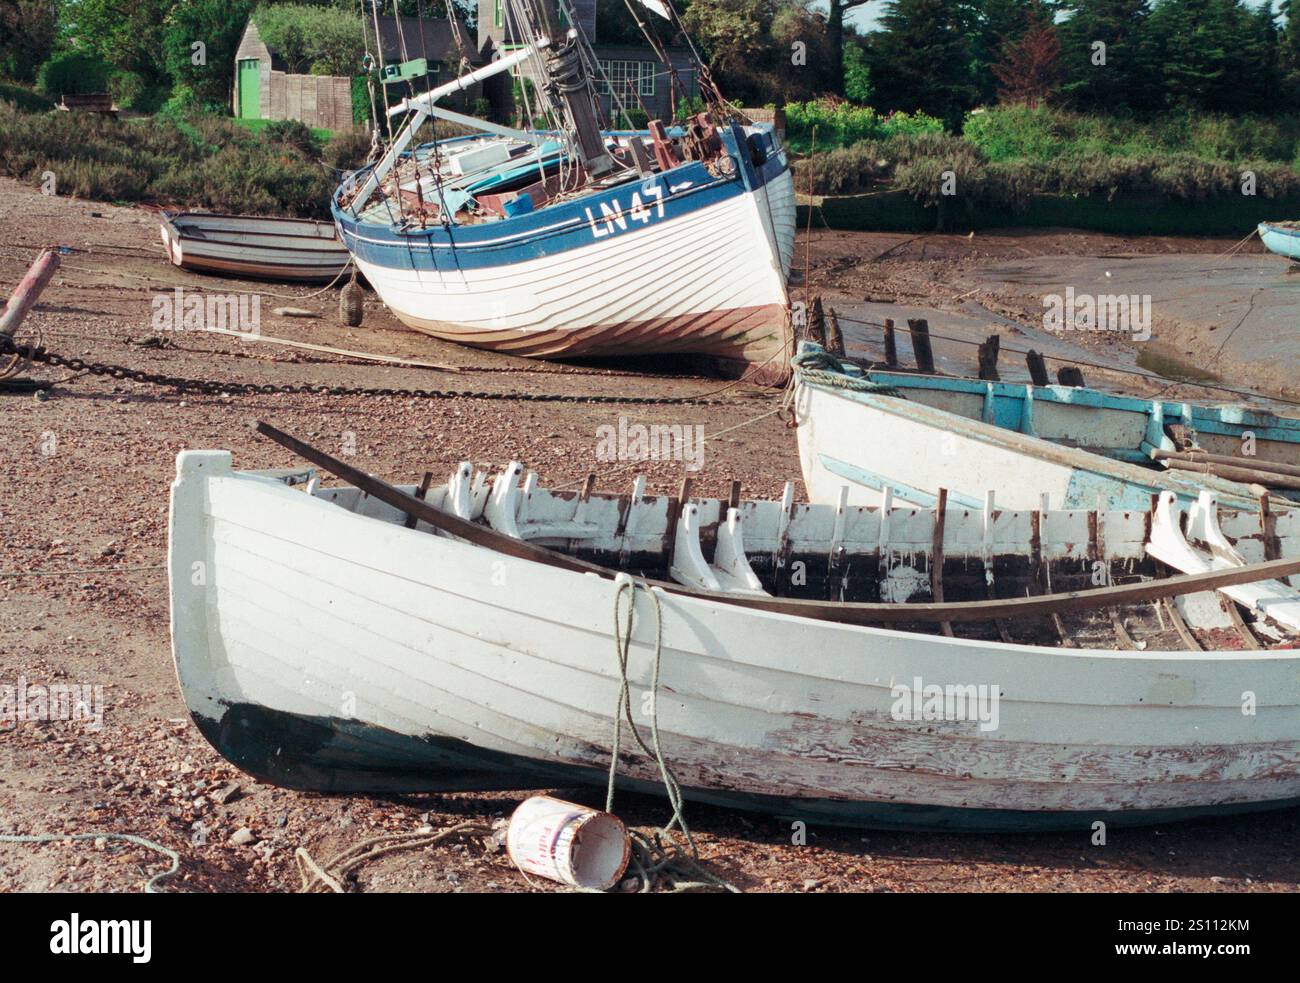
point(1201, 457)
point(936, 555)
point(420, 493)
point(1121, 633)
point(1190, 641)
point(844, 613)
point(1234, 613)
point(1246, 476)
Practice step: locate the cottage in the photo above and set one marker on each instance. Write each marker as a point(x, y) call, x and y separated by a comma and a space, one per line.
point(265, 89)
point(636, 78)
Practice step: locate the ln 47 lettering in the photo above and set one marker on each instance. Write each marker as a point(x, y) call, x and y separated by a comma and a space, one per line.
point(613, 214)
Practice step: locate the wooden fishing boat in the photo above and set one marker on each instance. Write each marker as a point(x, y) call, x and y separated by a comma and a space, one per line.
point(377, 638)
point(915, 434)
point(578, 241)
point(1282, 238)
point(294, 250)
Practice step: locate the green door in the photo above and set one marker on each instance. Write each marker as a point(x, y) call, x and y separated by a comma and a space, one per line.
point(250, 89)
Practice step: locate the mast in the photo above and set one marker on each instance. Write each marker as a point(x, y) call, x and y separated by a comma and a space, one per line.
point(568, 85)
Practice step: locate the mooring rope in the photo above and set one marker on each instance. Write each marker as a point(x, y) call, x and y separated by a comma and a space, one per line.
point(658, 855)
point(822, 368)
point(150, 886)
point(331, 874)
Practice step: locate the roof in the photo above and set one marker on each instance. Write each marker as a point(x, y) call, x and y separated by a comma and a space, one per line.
point(438, 41)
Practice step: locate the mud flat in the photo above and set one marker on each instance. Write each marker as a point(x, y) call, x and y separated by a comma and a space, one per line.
point(1221, 311)
point(83, 595)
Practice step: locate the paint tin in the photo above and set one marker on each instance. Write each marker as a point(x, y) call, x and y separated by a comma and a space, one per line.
point(569, 843)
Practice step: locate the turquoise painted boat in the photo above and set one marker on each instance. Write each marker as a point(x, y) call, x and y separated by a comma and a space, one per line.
point(1282, 238)
point(915, 434)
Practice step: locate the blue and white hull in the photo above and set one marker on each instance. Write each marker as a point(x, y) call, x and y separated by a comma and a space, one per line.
point(692, 260)
point(1282, 238)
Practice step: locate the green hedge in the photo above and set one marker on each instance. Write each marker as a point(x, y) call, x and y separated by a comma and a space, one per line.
point(842, 124)
point(897, 211)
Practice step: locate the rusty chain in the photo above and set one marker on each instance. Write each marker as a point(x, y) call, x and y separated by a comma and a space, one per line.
point(209, 387)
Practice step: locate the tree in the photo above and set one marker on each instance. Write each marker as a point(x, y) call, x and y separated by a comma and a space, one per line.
point(857, 76)
point(1215, 54)
point(1107, 50)
point(1289, 51)
point(27, 31)
point(996, 22)
point(763, 50)
point(218, 26)
point(1029, 67)
point(835, 37)
point(922, 59)
point(128, 34)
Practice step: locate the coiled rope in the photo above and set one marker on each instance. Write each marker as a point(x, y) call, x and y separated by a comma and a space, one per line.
point(818, 366)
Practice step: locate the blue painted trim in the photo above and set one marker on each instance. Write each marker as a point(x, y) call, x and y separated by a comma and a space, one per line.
point(555, 229)
point(871, 479)
point(1008, 413)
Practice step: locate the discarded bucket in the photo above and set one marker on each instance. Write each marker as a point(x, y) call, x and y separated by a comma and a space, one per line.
point(568, 843)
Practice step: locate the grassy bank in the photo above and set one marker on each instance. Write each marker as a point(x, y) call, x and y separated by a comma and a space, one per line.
point(201, 161)
point(1196, 175)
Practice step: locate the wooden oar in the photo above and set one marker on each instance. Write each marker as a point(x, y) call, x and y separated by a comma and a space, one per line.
point(838, 611)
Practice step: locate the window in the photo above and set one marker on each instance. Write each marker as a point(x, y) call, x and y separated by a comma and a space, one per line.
point(627, 79)
point(498, 18)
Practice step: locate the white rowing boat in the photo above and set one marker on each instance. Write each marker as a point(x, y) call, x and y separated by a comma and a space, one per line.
point(295, 250)
point(865, 431)
point(321, 643)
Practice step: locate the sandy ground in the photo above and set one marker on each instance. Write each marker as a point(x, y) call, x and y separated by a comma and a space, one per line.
point(83, 598)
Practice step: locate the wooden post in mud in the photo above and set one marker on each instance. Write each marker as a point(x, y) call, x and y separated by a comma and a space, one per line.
point(28, 290)
point(891, 346)
point(817, 322)
point(988, 357)
point(1070, 375)
point(920, 331)
point(834, 340)
point(1037, 368)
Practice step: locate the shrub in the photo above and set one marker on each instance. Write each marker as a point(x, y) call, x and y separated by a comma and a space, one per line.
point(360, 101)
point(840, 124)
point(347, 151)
point(632, 119)
point(293, 133)
point(204, 161)
point(319, 40)
point(23, 98)
point(73, 73)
